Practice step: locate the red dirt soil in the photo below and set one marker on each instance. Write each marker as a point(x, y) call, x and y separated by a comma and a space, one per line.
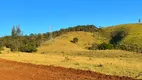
point(11, 70)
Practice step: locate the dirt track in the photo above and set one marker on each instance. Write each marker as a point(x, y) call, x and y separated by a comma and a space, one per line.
point(10, 70)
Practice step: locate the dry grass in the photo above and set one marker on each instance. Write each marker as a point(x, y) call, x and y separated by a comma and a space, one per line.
point(62, 43)
point(113, 62)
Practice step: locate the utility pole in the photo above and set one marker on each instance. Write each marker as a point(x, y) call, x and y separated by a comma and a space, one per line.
point(42, 37)
point(50, 34)
point(139, 20)
point(99, 32)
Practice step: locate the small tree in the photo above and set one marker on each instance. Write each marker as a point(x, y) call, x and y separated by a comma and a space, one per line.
point(13, 32)
point(75, 40)
point(16, 31)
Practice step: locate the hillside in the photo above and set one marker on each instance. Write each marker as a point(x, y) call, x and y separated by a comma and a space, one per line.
point(63, 42)
point(134, 37)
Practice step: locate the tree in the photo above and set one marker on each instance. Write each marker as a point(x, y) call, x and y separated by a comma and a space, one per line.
point(75, 40)
point(13, 32)
point(18, 31)
point(16, 36)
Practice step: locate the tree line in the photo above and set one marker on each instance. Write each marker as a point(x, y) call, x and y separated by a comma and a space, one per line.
point(29, 43)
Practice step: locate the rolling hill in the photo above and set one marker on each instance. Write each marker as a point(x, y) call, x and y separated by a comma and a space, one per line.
point(86, 39)
point(63, 42)
point(134, 36)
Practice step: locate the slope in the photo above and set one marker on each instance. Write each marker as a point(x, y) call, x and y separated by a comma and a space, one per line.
point(63, 42)
point(134, 36)
point(86, 39)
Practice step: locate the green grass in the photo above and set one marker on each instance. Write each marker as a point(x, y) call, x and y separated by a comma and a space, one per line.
point(111, 62)
point(134, 33)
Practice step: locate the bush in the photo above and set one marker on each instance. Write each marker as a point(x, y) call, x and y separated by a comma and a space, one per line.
point(28, 48)
point(105, 46)
point(1, 47)
point(93, 47)
point(130, 47)
point(102, 46)
point(75, 40)
point(122, 47)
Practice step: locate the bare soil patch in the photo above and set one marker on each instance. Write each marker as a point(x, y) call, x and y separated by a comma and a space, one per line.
point(11, 70)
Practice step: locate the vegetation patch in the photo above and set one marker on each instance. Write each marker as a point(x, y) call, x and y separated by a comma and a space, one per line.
point(75, 40)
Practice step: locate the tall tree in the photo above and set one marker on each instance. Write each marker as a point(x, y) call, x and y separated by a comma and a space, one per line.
point(13, 32)
point(16, 38)
point(18, 31)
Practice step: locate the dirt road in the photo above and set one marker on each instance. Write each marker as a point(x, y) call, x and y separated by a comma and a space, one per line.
point(11, 70)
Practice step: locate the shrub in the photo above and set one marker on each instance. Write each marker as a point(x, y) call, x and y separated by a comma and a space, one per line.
point(102, 46)
point(75, 40)
point(130, 47)
point(1, 47)
point(93, 47)
point(105, 46)
point(122, 47)
point(28, 47)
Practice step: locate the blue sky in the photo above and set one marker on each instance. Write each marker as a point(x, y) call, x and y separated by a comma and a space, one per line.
point(35, 16)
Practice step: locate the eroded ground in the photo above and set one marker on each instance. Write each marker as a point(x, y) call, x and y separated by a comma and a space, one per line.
point(11, 70)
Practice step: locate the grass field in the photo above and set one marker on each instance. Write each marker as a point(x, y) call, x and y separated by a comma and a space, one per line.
point(114, 62)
